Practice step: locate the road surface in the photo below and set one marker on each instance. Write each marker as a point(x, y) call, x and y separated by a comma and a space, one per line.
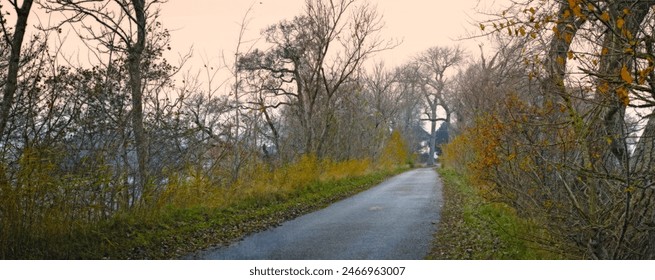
point(394, 220)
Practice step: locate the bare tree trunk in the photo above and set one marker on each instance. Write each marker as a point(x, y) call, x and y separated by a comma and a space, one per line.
point(433, 133)
point(276, 134)
point(16, 43)
point(134, 69)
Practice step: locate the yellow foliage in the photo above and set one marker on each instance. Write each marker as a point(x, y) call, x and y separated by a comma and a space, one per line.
point(619, 23)
point(193, 188)
point(567, 14)
point(625, 75)
point(395, 152)
point(258, 181)
point(577, 11)
point(604, 87)
point(568, 37)
point(476, 149)
point(42, 203)
point(643, 74)
point(349, 168)
point(623, 95)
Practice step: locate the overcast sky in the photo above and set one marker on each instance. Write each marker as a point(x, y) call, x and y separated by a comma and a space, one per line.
point(211, 26)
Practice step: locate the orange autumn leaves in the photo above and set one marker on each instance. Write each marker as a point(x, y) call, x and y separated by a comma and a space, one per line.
point(622, 92)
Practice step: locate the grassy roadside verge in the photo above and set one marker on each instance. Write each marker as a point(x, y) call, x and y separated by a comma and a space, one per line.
point(173, 232)
point(472, 228)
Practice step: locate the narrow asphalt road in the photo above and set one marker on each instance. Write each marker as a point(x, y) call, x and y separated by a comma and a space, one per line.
point(394, 220)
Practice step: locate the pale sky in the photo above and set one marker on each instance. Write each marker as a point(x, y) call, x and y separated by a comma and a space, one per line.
point(212, 26)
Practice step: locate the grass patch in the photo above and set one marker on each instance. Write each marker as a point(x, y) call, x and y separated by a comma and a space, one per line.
point(472, 228)
point(173, 232)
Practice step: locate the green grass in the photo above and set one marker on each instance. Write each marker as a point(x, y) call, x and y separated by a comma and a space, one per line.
point(472, 228)
point(174, 232)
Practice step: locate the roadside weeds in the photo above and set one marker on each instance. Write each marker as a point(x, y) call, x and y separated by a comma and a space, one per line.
point(474, 229)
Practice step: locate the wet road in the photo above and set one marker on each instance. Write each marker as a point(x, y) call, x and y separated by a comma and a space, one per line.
point(394, 220)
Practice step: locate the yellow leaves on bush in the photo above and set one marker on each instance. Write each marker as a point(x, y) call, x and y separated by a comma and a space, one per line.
point(302, 172)
point(629, 51)
point(623, 95)
point(619, 23)
point(577, 11)
point(42, 203)
point(192, 188)
point(605, 16)
point(457, 154)
point(395, 152)
point(576, 8)
point(625, 75)
point(628, 35)
point(566, 14)
point(344, 169)
point(476, 149)
point(644, 73)
point(258, 181)
point(568, 37)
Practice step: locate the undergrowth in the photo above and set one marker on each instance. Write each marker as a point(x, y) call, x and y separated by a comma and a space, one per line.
point(473, 228)
point(89, 213)
point(193, 214)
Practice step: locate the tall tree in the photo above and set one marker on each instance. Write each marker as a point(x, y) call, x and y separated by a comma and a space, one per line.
point(312, 57)
point(14, 40)
point(433, 64)
point(121, 27)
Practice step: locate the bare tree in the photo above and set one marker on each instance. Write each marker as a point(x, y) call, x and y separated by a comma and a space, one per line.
point(14, 40)
point(384, 96)
point(313, 56)
point(121, 26)
point(433, 64)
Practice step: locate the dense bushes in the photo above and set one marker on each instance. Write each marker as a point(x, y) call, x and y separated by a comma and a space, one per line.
point(50, 213)
point(544, 164)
